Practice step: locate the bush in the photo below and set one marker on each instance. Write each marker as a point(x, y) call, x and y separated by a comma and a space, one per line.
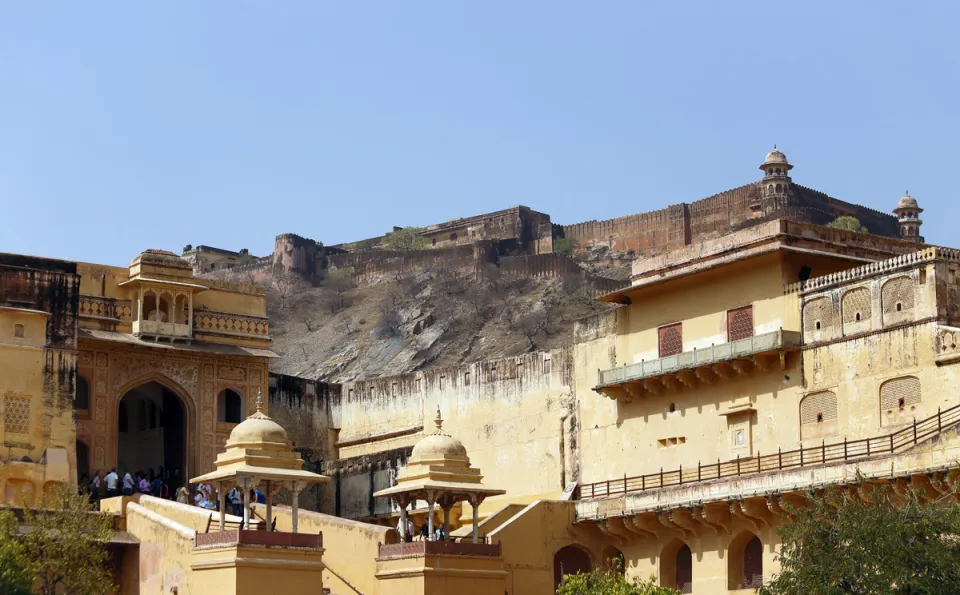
point(609, 581)
point(564, 246)
point(404, 240)
point(848, 223)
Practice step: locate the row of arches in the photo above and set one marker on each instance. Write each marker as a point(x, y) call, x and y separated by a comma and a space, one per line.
point(164, 306)
point(676, 568)
point(896, 295)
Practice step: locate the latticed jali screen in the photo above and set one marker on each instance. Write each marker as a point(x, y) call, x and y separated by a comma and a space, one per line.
point(671, 340)
point(740, 323)
point(856, 301)
point(16, 414)
point(818, 407)
point(906, 388)
point(897, 291)
point(817, 310)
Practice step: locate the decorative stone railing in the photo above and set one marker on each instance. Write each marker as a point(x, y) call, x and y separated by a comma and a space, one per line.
point(690, 360)
point(430, 548)
point(874, 268)
point(93, 306)
point(240, 325)
point(161, 329)
point(235, 537)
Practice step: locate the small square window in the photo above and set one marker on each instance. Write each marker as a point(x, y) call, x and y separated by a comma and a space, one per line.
point(18, 331)
point(740, 438)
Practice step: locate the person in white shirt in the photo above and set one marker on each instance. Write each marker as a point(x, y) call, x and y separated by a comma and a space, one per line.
point(111, 480)
point(236, 501)
point(95, 485)
point(128, 484)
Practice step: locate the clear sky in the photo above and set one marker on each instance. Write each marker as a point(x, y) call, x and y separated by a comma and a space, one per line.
point(139, 125)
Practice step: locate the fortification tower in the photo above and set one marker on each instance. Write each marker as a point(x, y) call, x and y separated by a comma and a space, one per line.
point(908, 213)
point(775, 185)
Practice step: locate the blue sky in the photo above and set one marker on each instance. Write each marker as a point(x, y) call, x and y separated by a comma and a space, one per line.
point(133, 125)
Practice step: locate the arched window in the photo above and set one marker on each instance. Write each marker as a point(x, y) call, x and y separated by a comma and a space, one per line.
point(82, 399)
point(181, 311)
point(745, 562)
point(753, 564)
point(779, 188)
point(149, 306)
point(229, 406)
point(569, 560)
point(453, 236)
point(676, 566)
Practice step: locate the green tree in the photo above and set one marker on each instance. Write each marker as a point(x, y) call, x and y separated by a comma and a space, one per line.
point(564, 246)
point(609, 581)
point(404, 240)
point(848, 223)
point(870, 541)
point(65, 548)
point(16, 577)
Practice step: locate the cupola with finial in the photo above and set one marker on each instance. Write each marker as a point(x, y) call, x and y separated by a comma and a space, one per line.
point(776, 177)
point(908, 213)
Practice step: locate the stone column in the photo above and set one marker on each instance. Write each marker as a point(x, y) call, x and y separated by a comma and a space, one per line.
point(295, 505)
point(403, 517)
point(245, 483)
point(222, 499)
point(475, 500)
point(446, 521)
point(430, 500)
point(268, 496)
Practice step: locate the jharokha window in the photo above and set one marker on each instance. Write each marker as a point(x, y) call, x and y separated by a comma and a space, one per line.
point(671, 339)
point(740, 323)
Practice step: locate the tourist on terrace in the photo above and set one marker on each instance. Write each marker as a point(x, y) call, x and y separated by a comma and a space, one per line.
point(144, 484)
point(111, 481)
point(128, 484)
point(183, 495)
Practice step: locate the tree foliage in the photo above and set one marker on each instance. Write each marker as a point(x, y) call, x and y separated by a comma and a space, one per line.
point(609, 581)
point(848, 223)
point(874, 540)
point(404, 240)
point(15, 575)
point(64, 549)
point(564, 245)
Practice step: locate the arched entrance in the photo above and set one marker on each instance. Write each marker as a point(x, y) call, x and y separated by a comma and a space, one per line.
point(83, 463)
point(152, 433)
point(569, 560)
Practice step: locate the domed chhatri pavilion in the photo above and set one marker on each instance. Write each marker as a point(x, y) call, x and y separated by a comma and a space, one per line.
point(438, 472)
point(257, 454)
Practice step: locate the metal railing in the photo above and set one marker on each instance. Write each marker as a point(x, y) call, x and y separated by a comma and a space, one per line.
point(778, 339)
point(848, 450)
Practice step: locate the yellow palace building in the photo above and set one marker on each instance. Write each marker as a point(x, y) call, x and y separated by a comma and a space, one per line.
point(734, 376)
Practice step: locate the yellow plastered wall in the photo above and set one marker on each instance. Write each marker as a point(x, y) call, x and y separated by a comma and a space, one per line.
point(350, 547)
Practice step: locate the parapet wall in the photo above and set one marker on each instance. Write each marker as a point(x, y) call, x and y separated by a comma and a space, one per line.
point(658, 231)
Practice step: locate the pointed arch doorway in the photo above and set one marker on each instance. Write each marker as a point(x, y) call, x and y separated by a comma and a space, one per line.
point(152, 433)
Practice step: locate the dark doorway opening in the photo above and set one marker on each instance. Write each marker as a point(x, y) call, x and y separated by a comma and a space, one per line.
point(569, 560)
point(83, 463)
point(152, 433)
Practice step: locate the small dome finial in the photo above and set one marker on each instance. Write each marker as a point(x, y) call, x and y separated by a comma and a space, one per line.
point(774, 146)
point(259, 400)
point(438, 420)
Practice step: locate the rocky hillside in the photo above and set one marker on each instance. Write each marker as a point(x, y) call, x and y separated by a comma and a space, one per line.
point(339, 332)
